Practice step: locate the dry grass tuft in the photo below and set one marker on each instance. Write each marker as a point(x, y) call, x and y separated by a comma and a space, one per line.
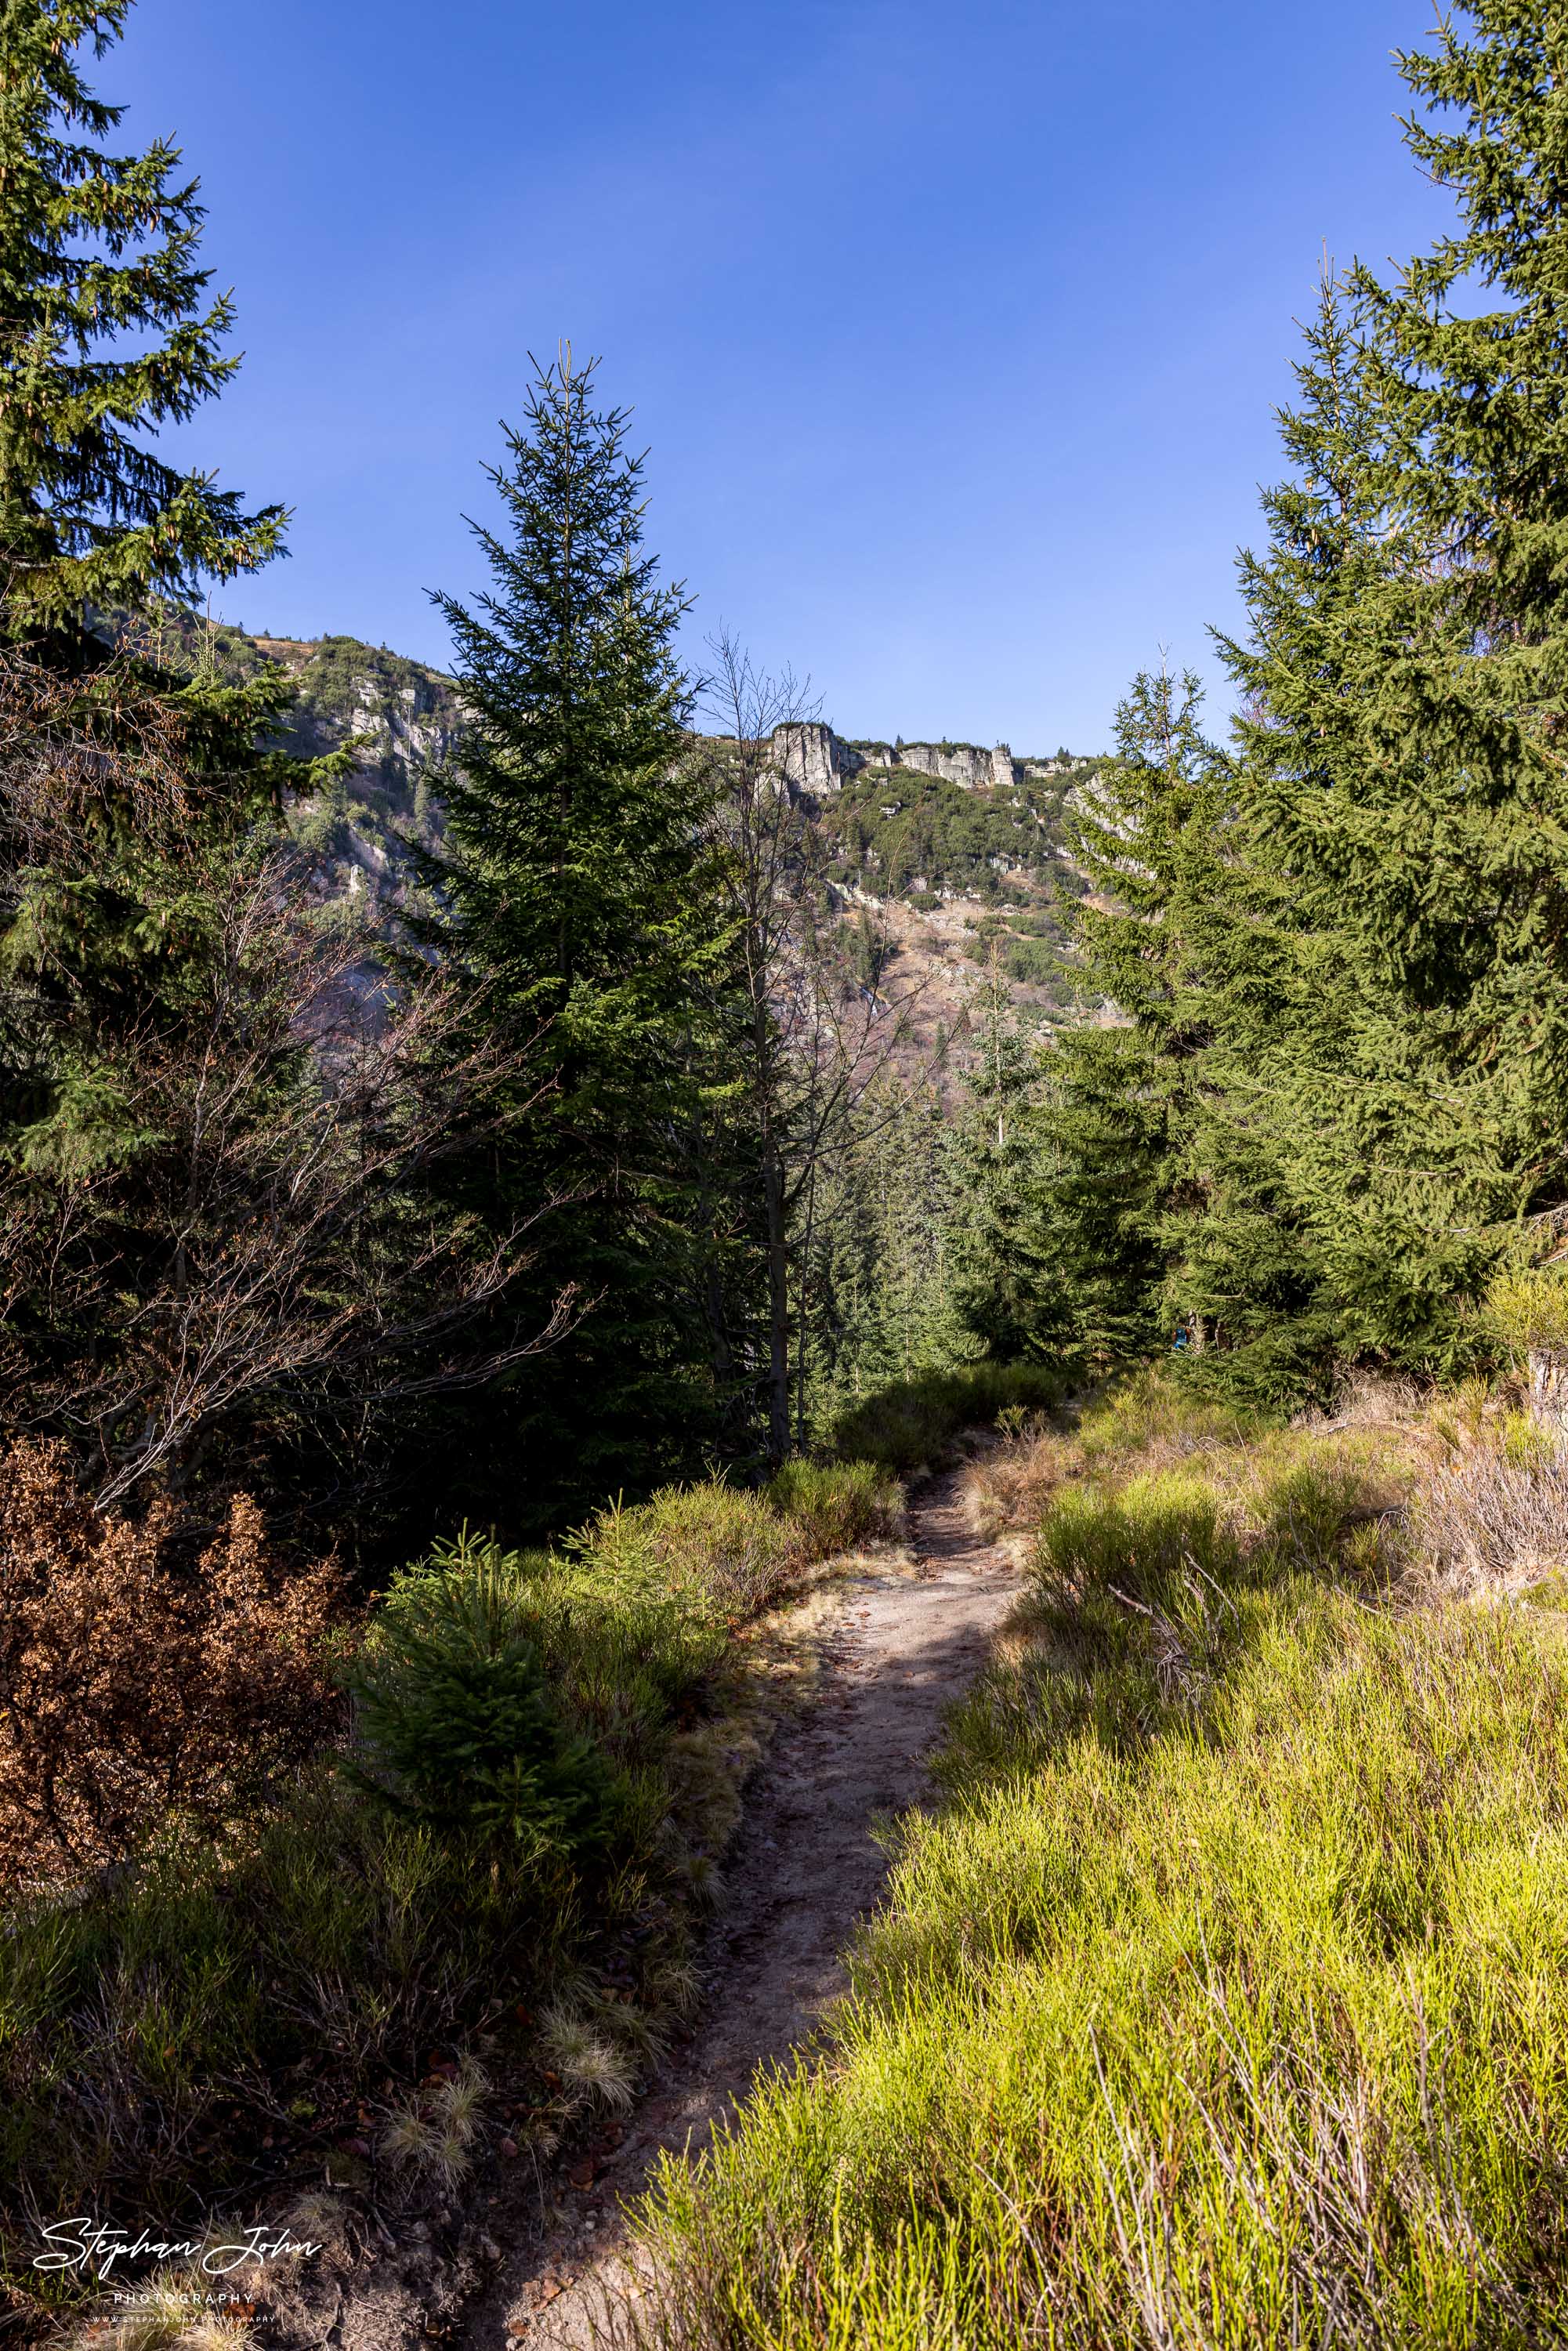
point(589, 2061)
point(1364, 1399)
point(1487, 1521)
point(1009, 1487)
point(433, 2134)
point(169, 2315)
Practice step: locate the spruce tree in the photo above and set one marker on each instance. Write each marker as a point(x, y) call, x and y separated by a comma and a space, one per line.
point(1401, 770)
point(876, 1268)
point(1334, 1091)
point(98, 249)
point(1111, 1132)
point(581, 896)
point(203, 1245)
point(1004, 1293)
point(99, 909)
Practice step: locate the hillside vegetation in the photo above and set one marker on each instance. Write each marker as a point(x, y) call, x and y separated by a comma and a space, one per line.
point(432, 1106)
point(374, 1965)
point(1222, 2000)
point(888, 834)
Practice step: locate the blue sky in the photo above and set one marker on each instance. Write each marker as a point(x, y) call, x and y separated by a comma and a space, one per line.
point(953, 327)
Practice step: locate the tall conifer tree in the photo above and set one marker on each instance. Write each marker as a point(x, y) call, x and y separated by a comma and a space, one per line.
point(581, 896)
point(1004, 1291)
point(1402, 772)
point(106, 334)
point(1111, 1132)
point(98, 250)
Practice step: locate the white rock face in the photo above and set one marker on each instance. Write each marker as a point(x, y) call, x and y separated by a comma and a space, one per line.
point(816, 761)
point(812, 758)
point(405, 727)
point(962, 764)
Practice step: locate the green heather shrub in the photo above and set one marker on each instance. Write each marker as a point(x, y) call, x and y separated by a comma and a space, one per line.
point(837, 1504)
point(1156, 1406)
point(1526, 1312)
point(1221, 2010)
point(743, 1548)
point(726, 1543)
point(185, 2004)
point(535, 1781)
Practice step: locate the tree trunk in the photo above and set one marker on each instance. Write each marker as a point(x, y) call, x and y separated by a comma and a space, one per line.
point(803, 1318)
point(778, 1314)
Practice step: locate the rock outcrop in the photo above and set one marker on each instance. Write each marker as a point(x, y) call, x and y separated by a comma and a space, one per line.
point(812, 758)
point(816, 762)
point(405, 718)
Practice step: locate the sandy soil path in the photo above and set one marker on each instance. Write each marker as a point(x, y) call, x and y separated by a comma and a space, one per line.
point(805, 1869)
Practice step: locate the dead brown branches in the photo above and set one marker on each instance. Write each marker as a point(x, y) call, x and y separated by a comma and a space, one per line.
point(245, 1210)
point(133, 1685)
point(78, 753)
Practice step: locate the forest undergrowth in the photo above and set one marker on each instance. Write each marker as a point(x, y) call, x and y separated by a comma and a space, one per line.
point(1222, 2000)
point(446, 1936)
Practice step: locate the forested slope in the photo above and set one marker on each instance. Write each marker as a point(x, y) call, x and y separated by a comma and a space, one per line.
point(505, 1176)
point(959, 875)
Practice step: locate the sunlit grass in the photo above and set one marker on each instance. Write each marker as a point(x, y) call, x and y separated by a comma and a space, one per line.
point(1225, 2003)
point(909, 1425)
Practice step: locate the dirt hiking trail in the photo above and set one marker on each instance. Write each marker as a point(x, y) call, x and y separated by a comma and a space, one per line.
point(804, 1868)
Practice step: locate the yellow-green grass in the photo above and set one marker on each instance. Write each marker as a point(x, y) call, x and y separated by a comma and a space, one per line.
point(1225, 2001)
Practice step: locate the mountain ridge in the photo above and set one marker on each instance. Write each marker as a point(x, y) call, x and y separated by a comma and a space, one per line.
point(954, 850)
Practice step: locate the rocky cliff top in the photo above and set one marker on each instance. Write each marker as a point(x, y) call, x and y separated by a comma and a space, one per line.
point(818, 761)
point(954, 850)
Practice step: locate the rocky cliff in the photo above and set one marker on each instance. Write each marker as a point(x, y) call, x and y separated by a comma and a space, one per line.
point(403, 719)
point(953, 852)
point(818, 761)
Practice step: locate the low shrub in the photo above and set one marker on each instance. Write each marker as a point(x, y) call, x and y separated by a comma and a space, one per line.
point(1526, 1312)
point(211, 2025)
point(1158, 1416)
point(837, 1504)
point(136, 1681)
point(1155, 1531)
point(744, 1549)
point(549, 1746)
point(1306, 1510)
point(454, 1724)
point(910, 1425)
point(1138, 1582)
point(726, 1542)
point(1496, 1516)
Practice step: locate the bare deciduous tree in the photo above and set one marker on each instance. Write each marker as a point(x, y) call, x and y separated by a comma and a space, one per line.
point(258, 1222)
point(817, 1038)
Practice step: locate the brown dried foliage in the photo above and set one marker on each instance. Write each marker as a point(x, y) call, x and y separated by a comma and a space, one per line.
point(132, 1686)
point(1486, 1523)
point(1009, 1487)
